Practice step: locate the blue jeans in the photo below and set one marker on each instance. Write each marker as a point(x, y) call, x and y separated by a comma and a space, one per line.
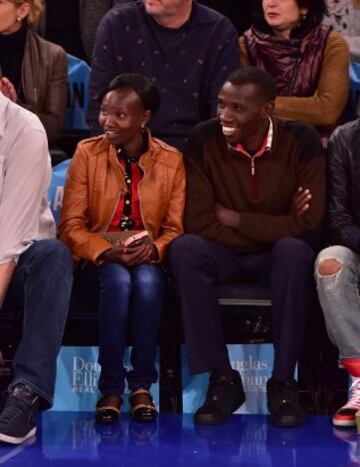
point(128, 296)
point(340, 299)
point(40, 287)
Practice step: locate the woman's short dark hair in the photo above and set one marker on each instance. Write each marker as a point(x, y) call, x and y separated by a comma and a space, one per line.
point(259, 78)
point(316, 12)
point(142, 85)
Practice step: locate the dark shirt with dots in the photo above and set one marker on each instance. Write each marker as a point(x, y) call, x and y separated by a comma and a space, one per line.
point(188, 64)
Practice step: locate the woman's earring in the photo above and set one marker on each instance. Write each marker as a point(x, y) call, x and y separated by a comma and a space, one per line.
point(303, 18)
point(18, 19)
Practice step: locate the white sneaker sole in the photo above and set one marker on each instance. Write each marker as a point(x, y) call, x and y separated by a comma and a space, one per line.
point(15, 440)
point(345, 423)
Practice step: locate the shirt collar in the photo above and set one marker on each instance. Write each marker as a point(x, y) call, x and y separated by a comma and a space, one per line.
point(266, 145)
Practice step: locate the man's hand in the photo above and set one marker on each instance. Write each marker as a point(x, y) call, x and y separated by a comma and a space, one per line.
point(8, 89)
point(130, 256)
point(227, 217)
point(301, 201)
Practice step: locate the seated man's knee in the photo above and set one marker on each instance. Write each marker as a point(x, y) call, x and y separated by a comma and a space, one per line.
point(292, 249)
point(184, 248)
point(329, 267)
point(55, 254)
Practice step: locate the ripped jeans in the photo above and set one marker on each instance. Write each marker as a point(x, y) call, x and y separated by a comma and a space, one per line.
point(340, 299)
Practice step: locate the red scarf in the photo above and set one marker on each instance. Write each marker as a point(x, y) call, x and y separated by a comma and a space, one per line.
point(294, 63)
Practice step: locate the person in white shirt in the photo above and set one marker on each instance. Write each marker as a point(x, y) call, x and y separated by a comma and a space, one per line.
point(35, 268)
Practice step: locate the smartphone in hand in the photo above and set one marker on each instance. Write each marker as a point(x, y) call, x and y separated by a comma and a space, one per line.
point(137, 239)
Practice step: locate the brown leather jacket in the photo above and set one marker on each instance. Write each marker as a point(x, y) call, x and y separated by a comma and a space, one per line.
point(94, 183)
point(44, 83)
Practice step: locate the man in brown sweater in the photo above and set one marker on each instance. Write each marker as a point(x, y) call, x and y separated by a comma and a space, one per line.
point(255, 199)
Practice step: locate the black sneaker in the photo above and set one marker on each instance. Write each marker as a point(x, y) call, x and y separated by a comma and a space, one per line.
point(18, 419)
point(225, 395)
point(283, 403)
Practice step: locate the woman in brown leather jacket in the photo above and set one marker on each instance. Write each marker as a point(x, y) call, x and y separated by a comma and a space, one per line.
point(119, 182)
point(33, 72)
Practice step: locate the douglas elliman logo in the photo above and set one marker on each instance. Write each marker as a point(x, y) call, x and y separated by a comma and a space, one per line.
point(85, 375)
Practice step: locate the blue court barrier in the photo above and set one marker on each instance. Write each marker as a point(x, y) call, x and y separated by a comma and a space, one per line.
point(56, 188)
point(78, 373)
point(78, 94)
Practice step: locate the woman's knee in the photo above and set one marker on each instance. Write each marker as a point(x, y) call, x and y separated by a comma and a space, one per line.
point(115, 278)
point(149, 278)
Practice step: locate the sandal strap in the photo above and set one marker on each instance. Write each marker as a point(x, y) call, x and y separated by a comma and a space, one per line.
point(109, 402)
point(109, 407)
point(141, 398)
point(142, 406)
point(139, 391)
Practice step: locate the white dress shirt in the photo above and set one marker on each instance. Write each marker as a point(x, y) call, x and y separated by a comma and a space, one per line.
point(25, 173)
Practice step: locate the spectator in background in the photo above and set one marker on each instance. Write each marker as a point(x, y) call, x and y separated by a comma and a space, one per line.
point(185, 48)
point(250, 178)
point(338, 267)
point(61, 24)
point(33, 71)
point(309, 62)
point(344, 17)
point(125, 180)
point(35, 268)
point(90, 14)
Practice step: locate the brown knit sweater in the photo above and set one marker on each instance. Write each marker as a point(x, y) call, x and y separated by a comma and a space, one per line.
point(326, 105)
point(216, 174)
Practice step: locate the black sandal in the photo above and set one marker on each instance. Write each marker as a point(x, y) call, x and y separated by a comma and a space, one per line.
point(142, 405)
point(108, 409)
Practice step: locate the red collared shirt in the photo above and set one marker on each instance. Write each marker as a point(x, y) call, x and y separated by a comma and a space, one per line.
point(136, 176)
point(265, 147)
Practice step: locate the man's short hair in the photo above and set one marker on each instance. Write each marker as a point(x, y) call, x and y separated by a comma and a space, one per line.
point(259, 78)
point(142, 85)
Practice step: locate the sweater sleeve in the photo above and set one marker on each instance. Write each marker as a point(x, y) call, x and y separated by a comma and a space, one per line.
point(223, 62)
point(244, 57)
point(90, 14)
point(326, 105)
point(200, 216)
point(104, 66)
point(267, 228)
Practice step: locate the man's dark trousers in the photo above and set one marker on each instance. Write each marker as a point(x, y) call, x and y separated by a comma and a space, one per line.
point(198, 266)
point(40, 287)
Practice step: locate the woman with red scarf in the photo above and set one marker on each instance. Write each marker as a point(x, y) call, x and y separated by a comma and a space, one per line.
point(309, 61)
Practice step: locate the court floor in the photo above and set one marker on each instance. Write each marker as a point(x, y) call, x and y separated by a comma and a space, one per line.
point(73, 439)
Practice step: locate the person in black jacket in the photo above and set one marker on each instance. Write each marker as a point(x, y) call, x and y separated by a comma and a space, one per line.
point(337, 268)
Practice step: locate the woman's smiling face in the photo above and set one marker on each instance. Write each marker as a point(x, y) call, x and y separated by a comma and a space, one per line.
point(122, 116)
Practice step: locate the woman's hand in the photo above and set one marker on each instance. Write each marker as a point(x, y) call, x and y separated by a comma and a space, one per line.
point(8, 89)
point(130, 256)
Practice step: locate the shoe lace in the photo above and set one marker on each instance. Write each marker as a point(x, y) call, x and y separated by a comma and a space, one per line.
point(354, 399)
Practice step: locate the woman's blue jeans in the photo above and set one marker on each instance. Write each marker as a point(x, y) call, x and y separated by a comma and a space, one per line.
point(130, 299)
